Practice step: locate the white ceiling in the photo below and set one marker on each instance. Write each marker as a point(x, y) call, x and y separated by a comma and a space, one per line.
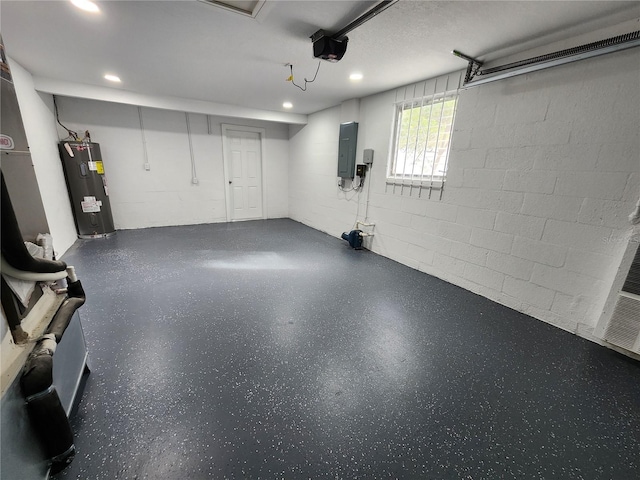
point(193, 50)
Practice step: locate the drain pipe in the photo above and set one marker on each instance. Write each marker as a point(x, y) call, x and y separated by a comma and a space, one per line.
point(363, 224)
point(147, 165)
point(194, 175)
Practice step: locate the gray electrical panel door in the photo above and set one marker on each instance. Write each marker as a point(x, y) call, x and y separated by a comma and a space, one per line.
point(347, 149)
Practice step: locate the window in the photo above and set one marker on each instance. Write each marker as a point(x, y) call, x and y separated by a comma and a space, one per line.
point(421, 140)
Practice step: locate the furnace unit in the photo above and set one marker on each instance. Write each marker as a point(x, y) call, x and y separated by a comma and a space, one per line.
point(88, 190)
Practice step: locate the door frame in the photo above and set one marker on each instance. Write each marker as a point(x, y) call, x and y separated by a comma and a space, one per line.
point(227, 168)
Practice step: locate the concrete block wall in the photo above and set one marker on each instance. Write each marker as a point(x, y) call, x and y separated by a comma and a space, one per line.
point(317, 194)
point(165, 194)
point(543, 172)
point(566, 171)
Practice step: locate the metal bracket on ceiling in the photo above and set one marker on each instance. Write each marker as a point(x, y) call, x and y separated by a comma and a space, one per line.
point(581, 52)
point(472, 68)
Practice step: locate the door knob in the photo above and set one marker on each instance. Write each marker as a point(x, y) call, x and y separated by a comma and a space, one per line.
point(230, 182)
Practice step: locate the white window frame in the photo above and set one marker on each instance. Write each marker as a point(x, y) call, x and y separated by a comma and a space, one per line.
point(431, 179)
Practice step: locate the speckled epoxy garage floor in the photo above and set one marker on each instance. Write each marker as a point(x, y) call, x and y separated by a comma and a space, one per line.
point(268, 350)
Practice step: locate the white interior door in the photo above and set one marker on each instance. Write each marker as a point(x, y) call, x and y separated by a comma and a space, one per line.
point(243, 172)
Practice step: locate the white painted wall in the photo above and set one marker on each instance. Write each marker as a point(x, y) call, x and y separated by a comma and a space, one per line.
point(39, 123)
point(165, 195)
point(314, 195)
point(116, 95)
point(543, 172)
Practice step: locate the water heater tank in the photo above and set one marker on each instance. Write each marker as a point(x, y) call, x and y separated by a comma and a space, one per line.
point(88, 190)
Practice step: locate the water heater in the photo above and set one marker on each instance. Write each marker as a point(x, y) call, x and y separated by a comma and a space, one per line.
point(88, 190)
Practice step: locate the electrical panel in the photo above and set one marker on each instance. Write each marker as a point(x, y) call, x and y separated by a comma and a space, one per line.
point(347, 149)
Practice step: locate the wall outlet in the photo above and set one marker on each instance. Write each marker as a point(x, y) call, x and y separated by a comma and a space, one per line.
point(194, 180)
point(147, 167)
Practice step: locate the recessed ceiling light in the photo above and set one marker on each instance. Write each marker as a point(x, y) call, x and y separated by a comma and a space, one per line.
point(86, 5)
point(355, 77)
point(112, 78)
point(287, 105)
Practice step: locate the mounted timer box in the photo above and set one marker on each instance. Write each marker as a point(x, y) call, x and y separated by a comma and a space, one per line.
point(347, 149)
